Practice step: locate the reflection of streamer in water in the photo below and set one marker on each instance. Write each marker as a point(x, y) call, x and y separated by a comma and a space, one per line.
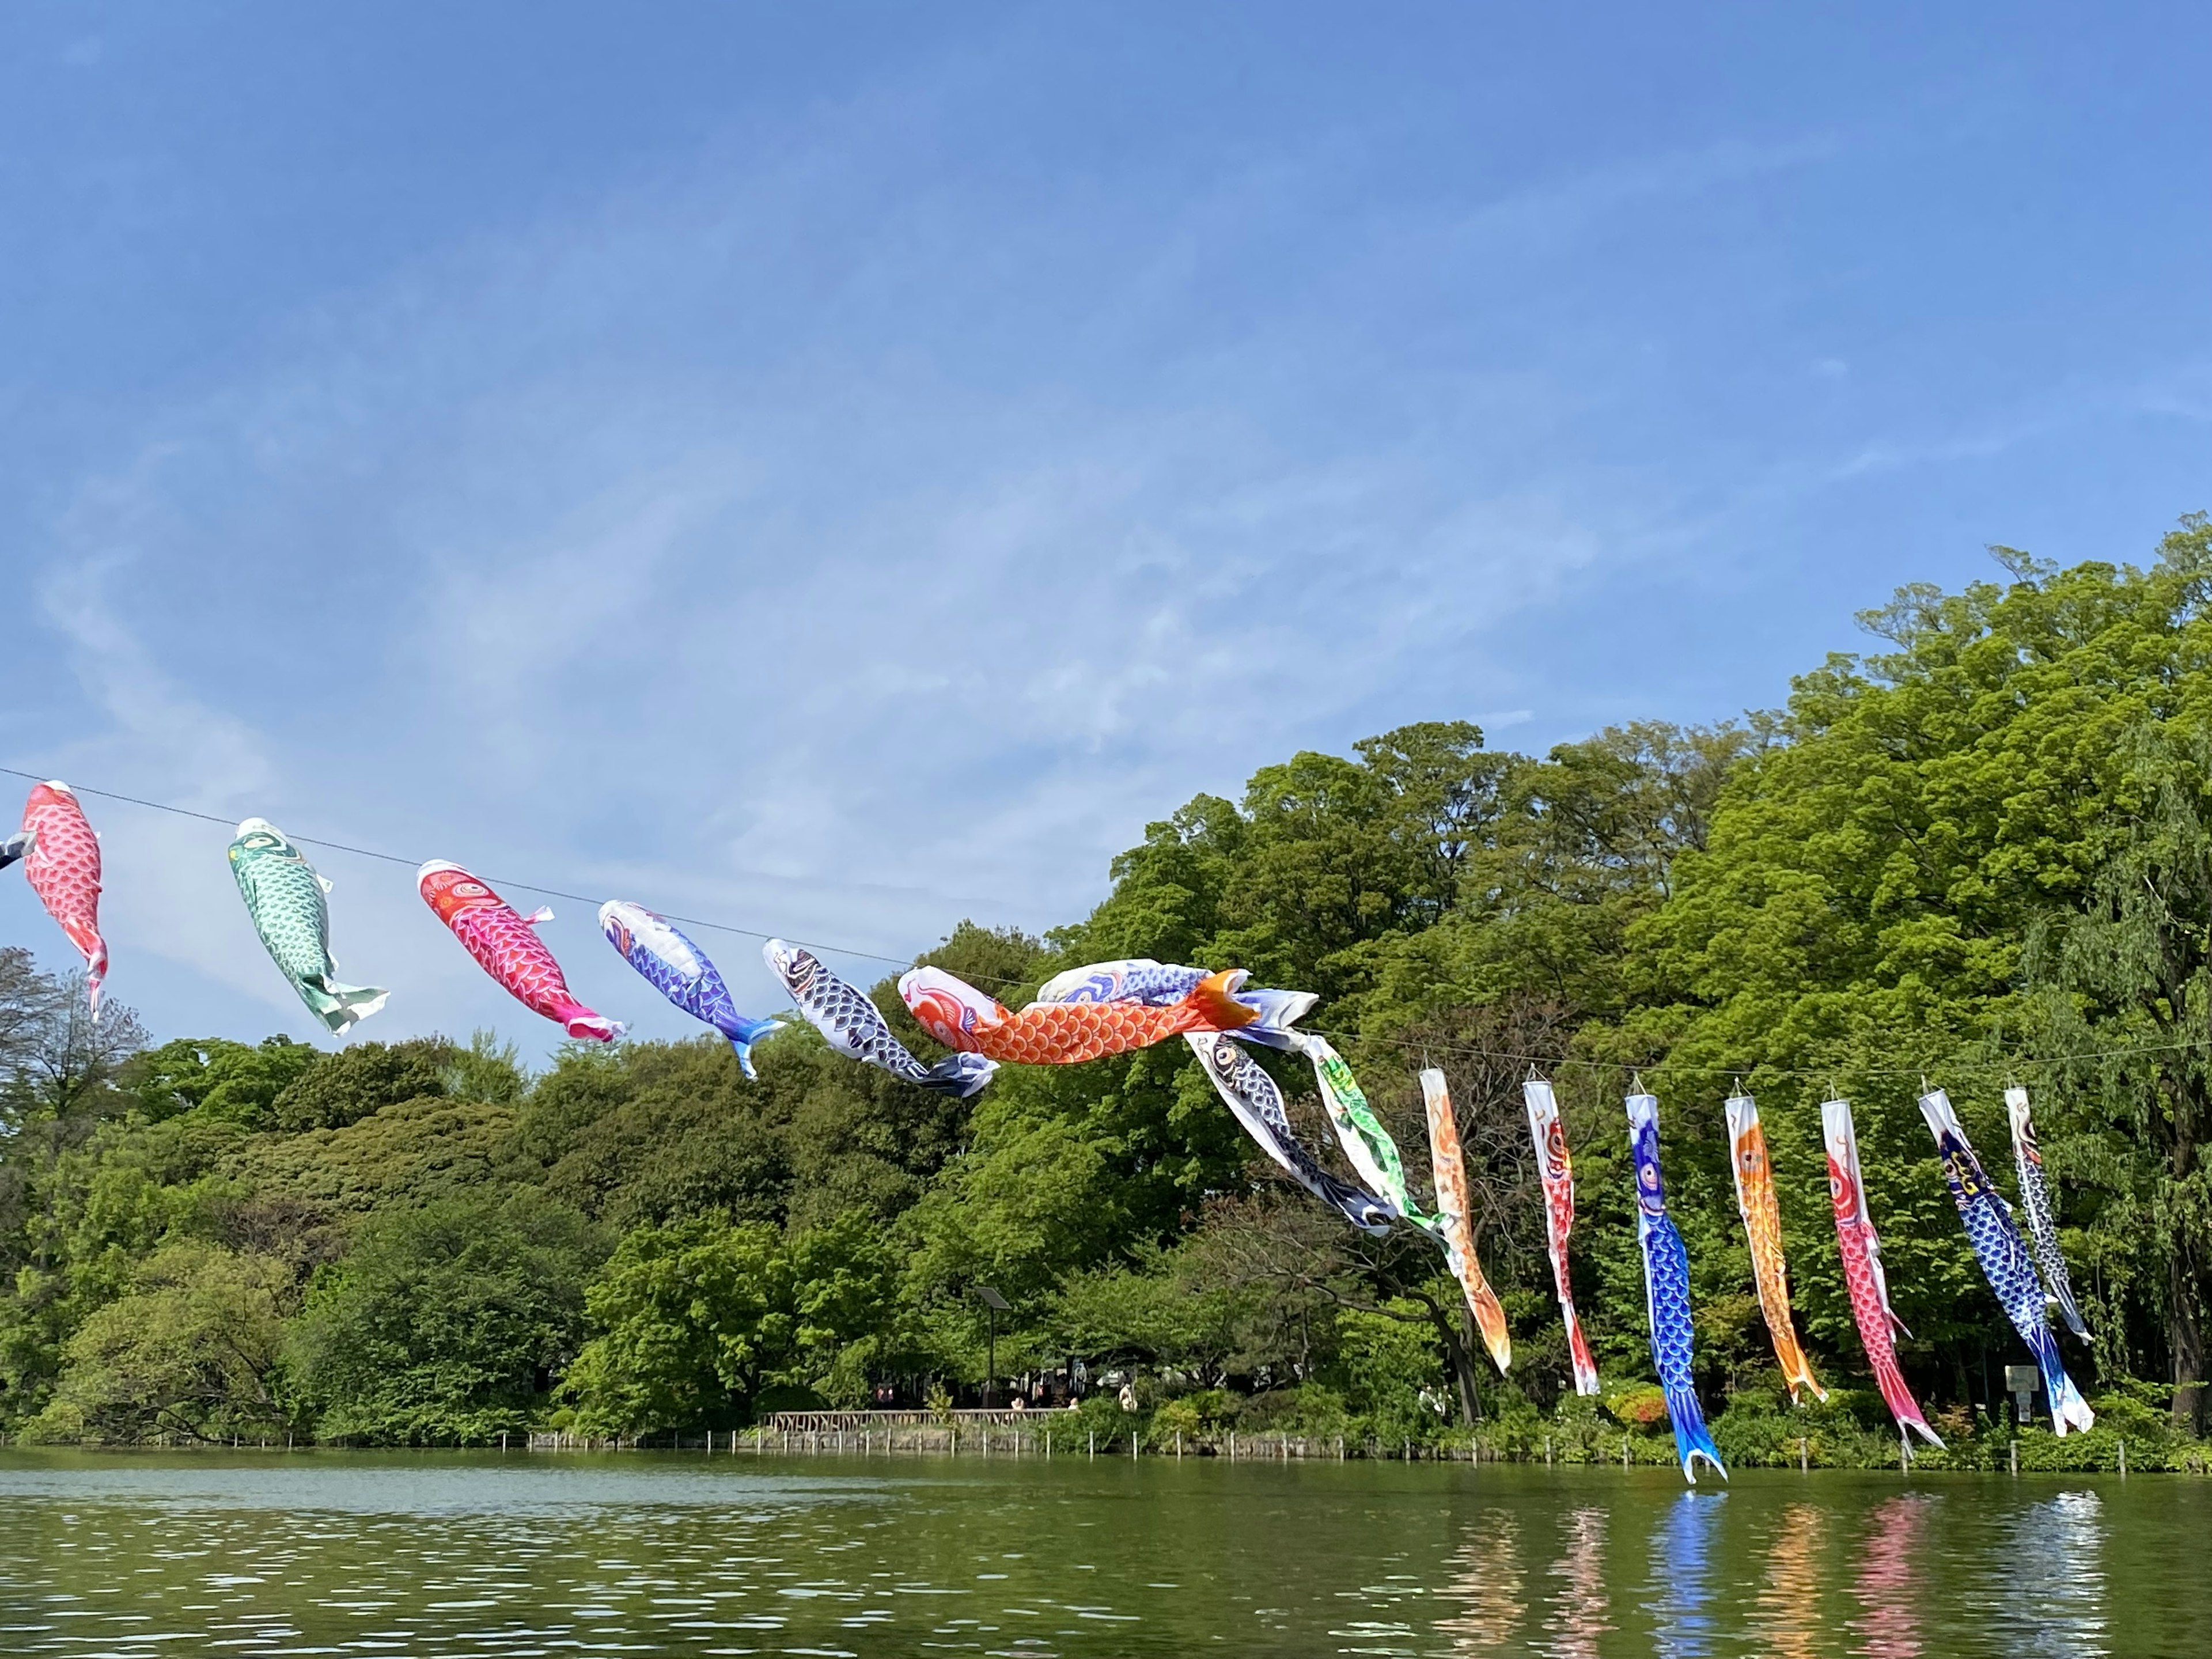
point(1888, 1582)
point(1788, 1612)
point(2057, 1577)
point(1681, 1623)
point(1487, 1583)
point(1578, 1616)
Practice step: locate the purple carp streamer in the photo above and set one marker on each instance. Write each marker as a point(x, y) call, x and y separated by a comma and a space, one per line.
point(2041, 1224)
point(1558, 1178)
point(1667, 1293)
point(2004, 1258)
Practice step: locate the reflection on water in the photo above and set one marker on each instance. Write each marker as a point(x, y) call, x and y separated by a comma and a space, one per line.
point(433, 1558)
point(1486, 1579)
point(1788, 1613)
point(1576, 1617)
point(2055, 1584)
point(1888, 1598)
point(1680, 1546)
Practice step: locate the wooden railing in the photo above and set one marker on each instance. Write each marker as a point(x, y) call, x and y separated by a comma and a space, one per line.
point(999, 1417)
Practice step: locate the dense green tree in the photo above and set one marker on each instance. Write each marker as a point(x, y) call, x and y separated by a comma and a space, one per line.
point(446, 1323)
point(234, 1081)
point(193, 1348)
point(695, 1317)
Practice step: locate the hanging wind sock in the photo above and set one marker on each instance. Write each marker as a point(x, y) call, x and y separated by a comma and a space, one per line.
point(1762, 1228)
point(1063, 1033)
point(2035, 1199)
point(851, 1026)
point(505, 947)
point(1455, 1222)
point(1257, 1104)
point(290, 908)
point(1861, 1250)
point(2004, 1258)
point(61, 861)
point(1158, 985)
point(1559, 1178)
point(1666, 1292)
point(681, 971)
point(1367, 1144)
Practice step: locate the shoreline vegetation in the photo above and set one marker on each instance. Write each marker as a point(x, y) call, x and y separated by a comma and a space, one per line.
point(1982, 855)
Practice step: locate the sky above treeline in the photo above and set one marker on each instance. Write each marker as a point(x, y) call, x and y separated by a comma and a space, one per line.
point(836, 469)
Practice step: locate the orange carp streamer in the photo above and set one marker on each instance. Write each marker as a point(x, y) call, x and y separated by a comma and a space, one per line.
point(1762, 1226)
point(963, 1018)
point(1454, 1223)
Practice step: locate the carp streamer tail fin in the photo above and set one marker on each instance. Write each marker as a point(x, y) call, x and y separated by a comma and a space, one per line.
point(1278, 1010)
point(1213, 1001)
point(959, 1075)
point(1692, 1439)
point(14, 847)
point(743, 1033)
point(2068, 1409)
point(342, 1007)
point(592, 1028)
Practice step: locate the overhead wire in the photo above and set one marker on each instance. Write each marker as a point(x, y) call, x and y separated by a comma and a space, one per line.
point(538, 888)
point(1429, 1045)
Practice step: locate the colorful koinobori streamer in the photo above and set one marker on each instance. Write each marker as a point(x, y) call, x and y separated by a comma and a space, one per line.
point(2004, 1258)
point(1455, 1223)
point(1666, 1292)
point(2035, 1199)
point(289, 904)
point(1559, 1178)
point(683, 973)
point(1367, 1144)
point(1159, 985)
point(849, 1023)
point(1762, 1227)
point(60, 852)
point(962, 1018)
point(504, 945)
point(1861, 1251)
point(1257, 1103)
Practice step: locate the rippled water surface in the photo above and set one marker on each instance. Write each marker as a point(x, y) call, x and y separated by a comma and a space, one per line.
point(240, 1553)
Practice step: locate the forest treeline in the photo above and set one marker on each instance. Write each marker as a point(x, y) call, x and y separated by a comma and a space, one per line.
point(1976, 853)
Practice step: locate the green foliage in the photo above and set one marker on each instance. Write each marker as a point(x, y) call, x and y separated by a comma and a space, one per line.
point(228, 1081)
point(362, 1080)
point(695, 1317)
point(192, 1348)
point(446, 1324)
point(1980, 850)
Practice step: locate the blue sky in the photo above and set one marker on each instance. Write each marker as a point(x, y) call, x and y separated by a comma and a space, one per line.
point(840, 468)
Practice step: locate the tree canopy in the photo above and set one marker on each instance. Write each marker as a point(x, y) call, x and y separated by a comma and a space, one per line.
point(1976, 853)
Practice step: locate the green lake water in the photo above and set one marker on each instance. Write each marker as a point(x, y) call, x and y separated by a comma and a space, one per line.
point(244, 1553)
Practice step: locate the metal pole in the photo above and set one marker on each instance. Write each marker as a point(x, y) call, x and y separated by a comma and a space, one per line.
point(990, 1360)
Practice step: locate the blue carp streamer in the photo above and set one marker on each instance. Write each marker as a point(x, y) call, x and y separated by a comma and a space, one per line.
point(1666, 1292)
point(683, 973)
point(2004, 1258)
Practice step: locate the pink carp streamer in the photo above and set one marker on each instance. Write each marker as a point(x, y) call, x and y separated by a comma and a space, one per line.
point(1863, 1276)
point(505, 947)
point(1448, 1168)
point(61, 860)
point(1558, 1178)
point(1762, 1228)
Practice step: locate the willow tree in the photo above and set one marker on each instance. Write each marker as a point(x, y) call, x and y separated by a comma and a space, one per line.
point(2128, 1000)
